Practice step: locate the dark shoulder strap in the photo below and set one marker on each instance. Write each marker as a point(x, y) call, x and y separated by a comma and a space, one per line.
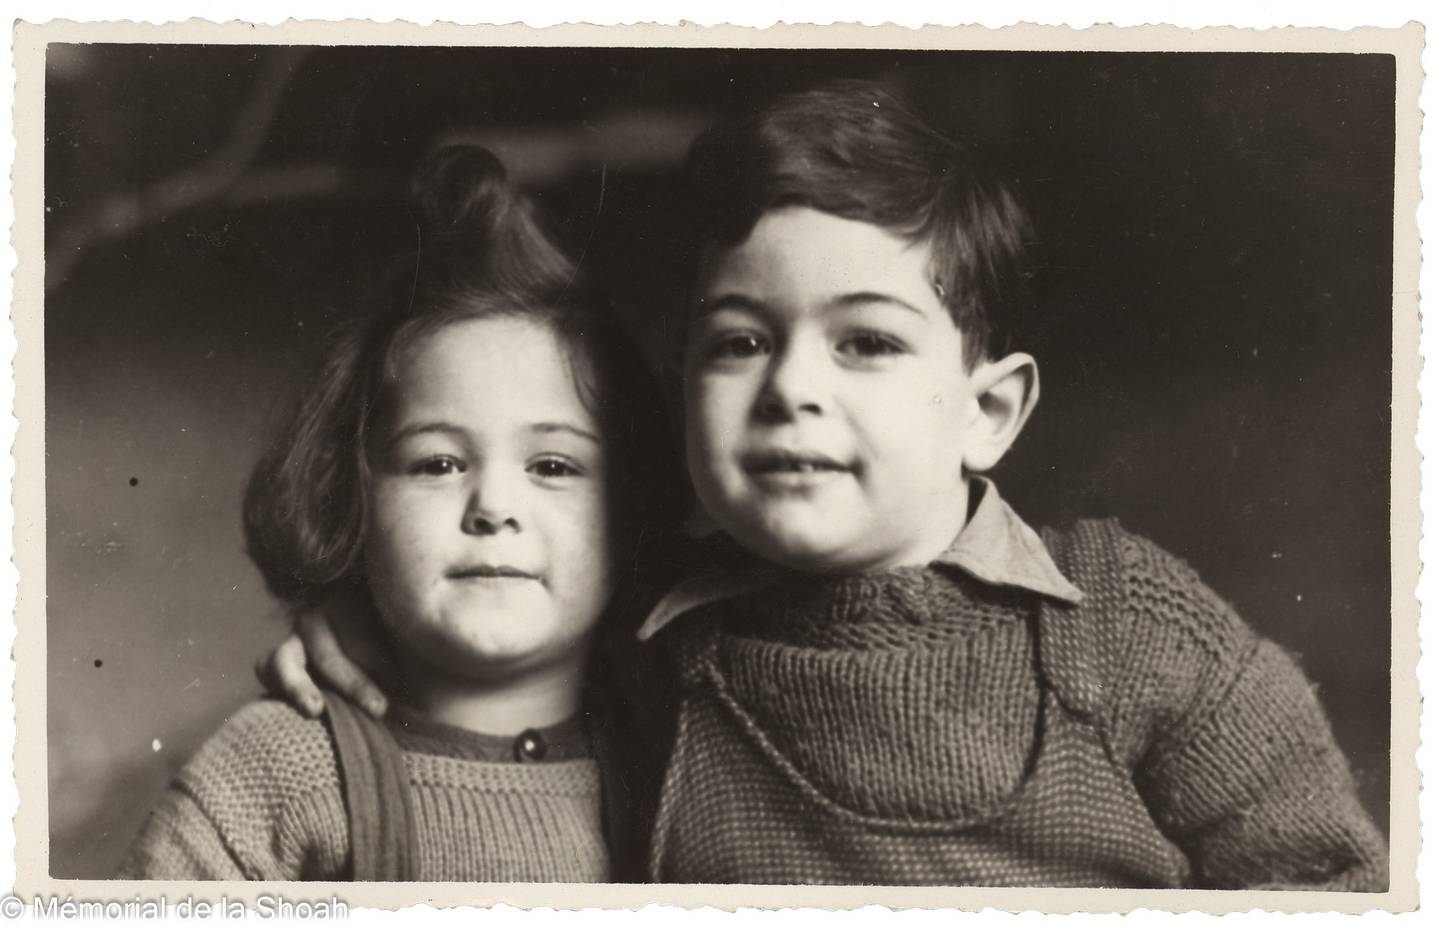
point(383, 837)
point(1071, 635)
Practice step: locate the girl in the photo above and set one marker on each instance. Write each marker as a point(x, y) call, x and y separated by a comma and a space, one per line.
point(472, 461)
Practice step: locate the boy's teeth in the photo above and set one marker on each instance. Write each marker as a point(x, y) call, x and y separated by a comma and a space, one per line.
point(808, 467)
point(795, 466)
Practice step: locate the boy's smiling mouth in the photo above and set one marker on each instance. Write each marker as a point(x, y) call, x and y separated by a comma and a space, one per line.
point(776, 461)
point(780, 469)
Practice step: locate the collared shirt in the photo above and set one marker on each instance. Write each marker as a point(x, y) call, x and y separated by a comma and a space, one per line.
point(996, 547)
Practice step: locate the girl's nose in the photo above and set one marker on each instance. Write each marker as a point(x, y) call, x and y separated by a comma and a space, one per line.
point(794, 385)
point(490, 509)
point(490, 522)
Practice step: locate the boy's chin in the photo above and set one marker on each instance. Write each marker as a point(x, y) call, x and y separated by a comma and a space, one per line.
point(823, 550)
point(807, 553)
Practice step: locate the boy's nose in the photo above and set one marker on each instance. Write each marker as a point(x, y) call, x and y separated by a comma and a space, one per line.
point(794, 386)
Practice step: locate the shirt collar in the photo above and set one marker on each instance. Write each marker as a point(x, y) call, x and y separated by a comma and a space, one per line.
point(996, 547)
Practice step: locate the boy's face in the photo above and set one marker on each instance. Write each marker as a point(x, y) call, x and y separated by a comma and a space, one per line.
point(827, 401)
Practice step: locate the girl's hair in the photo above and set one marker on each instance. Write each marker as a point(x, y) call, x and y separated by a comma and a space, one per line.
point(855, 150)
point(481, 252)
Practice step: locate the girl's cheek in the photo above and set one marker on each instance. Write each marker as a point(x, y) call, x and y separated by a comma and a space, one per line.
point(588, 514)
point(595, 526)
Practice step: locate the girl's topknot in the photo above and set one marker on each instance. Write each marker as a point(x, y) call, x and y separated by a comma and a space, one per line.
point(460, 189)
point(477, 231)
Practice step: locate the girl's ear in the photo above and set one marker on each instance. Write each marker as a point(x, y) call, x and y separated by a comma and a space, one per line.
point(1006, 391)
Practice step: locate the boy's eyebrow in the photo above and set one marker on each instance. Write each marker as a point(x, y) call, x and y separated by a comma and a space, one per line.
point(862, 297)
point(728, 301)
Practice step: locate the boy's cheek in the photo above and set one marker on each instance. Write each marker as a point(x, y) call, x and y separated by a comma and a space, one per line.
point(709, 431)
point(707, 388)
point(709, 484)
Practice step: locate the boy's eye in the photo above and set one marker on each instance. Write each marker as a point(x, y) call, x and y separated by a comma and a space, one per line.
point(554, 467)
point(738, 345)
point(438, 466)
point(870, 345)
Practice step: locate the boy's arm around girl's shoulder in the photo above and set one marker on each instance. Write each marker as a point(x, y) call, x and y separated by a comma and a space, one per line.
point(260, 800)
point(1227, 742)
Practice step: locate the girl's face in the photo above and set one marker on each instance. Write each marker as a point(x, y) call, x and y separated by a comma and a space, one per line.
point(489, 550)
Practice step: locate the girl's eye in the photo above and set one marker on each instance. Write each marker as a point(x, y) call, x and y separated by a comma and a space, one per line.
point(554, 468)
point(737, 346)
point(871, 345)
point(438, 466)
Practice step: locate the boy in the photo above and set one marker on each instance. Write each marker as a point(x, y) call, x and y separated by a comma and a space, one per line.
point(886, 676)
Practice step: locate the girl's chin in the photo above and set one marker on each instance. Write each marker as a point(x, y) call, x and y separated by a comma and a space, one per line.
point(460, 658)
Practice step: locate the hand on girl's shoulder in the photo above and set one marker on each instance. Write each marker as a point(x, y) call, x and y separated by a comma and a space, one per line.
point(314, 652)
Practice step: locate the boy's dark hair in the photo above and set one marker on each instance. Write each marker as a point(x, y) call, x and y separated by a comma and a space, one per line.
point(853, 149)
point(482, 252)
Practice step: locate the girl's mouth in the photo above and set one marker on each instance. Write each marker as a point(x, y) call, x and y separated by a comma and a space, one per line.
point(475, 572)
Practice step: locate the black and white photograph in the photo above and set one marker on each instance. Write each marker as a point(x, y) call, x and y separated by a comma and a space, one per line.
point(498, 461)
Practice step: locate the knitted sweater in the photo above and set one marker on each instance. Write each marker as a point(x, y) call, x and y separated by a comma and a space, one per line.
point(923, 726)
point(262, 801)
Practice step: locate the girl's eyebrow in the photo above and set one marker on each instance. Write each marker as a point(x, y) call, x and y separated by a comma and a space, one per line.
point(451, 429)
point(552, 427)
point(422, 428)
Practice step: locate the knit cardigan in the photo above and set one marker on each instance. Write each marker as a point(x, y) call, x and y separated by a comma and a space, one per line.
point(262, 801)
point(918, 726)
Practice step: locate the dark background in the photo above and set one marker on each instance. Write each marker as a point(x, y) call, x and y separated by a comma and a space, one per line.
point(1213, 325)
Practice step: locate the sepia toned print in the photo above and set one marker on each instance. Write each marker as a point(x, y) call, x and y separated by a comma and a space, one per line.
point(1212, 246)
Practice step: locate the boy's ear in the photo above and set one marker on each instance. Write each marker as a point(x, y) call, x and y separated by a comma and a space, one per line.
point(1006, 391)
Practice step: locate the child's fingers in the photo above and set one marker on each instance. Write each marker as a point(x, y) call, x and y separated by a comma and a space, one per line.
point(287, 668)
point(335, 667)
